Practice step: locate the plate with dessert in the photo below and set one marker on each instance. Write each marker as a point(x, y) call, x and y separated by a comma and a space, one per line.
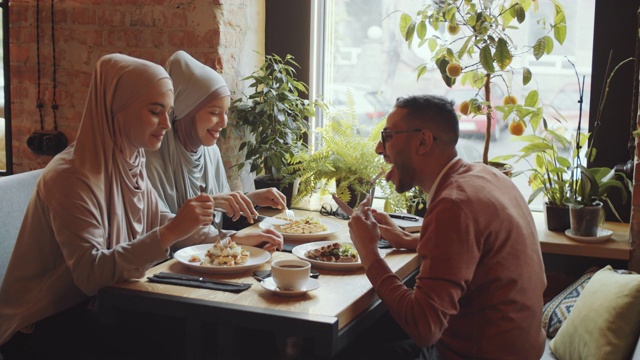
point(225, 257)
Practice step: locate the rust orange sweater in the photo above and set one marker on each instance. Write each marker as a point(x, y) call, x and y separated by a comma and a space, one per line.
point(479, 290)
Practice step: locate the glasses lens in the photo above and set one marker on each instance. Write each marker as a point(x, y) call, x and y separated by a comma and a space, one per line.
point(383, 137)
point(326, 210)
point(341, 215)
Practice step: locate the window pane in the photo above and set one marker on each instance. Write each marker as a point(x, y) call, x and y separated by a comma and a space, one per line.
point(367, 59)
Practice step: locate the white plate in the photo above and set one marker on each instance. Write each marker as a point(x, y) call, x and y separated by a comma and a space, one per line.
point(275, 223)
point(603, 235)
point(270, 285)
point(300, 250)
point(257, 257)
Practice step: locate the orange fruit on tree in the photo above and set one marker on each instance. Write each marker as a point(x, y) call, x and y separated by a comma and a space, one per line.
point(453, 29)
point(517, 128)
point(465, 108)
point(509, 100)
point(454, 70)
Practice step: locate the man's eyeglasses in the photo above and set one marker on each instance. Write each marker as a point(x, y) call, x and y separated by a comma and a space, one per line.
point(327, 210)
point(386, 135)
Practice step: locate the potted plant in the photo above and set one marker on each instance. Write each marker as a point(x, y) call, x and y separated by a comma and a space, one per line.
point(480, 51)
point(274, 116)
point(345, 163)
point(589, 187)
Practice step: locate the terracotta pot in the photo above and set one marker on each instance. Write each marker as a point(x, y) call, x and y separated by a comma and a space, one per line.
point(557, 218)
point(586, 220)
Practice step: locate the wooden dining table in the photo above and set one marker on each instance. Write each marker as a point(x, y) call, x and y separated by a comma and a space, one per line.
point(331, 316)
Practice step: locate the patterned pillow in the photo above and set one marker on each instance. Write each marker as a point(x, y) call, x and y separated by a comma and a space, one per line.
point(556, 311)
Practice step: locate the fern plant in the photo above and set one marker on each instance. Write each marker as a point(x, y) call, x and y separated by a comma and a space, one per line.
point(345, 163)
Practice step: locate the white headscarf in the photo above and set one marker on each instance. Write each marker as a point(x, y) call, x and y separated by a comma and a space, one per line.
point(182, 164)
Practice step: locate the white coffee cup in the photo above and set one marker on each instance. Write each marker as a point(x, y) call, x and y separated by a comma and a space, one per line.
point(290, 275)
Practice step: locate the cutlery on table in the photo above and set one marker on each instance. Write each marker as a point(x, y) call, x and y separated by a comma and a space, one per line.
point(342, 205)
point(289, 213)
point(372, 191)
point(197, 282)
point(404, 217)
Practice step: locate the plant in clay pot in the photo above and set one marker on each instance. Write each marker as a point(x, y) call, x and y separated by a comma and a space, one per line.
point(480, 50)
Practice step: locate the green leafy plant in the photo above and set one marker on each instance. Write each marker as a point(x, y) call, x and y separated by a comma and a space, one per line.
point(481, 51)
point(549, 169)
point(346, 161)
point(274, 115)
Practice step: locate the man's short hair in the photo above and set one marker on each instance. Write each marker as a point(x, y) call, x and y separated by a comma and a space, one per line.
point(436, 112)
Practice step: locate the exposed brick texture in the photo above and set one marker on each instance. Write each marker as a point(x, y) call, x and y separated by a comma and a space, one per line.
point(223, 34)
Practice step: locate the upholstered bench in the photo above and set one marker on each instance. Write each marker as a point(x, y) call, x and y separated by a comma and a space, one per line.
point(15, 192)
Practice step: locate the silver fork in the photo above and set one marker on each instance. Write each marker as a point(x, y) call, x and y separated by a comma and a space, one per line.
point(290, 214)
point(372, 191)
point(222, 234)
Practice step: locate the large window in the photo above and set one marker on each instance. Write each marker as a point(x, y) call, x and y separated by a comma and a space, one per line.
point(363, 54)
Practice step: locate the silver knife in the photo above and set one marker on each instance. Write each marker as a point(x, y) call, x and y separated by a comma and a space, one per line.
point(166, 275)
point(347, 210)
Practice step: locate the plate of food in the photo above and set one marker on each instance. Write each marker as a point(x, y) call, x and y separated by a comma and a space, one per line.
point(334, 255)
point(222, 258)
point(308, 228)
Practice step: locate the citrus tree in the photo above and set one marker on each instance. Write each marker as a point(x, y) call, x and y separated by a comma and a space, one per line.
point(477, 49)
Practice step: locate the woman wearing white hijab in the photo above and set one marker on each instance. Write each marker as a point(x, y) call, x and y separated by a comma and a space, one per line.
point(189, 157)
point(94, 219)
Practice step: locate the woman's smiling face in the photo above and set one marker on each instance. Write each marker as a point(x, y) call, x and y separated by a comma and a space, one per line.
point(212, 119)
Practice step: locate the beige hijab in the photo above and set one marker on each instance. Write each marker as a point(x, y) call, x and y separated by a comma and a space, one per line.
point(97, 157)
point(182, 164)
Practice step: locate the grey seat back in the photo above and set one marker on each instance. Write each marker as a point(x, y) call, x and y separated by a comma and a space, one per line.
point(15, 192)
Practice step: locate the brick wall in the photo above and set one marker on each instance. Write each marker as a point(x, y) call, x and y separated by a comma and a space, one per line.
point(221, 33)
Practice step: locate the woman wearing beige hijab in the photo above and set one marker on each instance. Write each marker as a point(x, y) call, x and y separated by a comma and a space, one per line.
point(189, 157)
point(94, 219)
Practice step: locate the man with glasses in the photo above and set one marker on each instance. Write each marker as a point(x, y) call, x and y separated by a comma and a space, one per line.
point(479, 290)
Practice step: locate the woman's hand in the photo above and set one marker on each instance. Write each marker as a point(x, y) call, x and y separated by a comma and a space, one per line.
point(236, 204)
point(194, 213)
point(268, 239)
point(268, 197)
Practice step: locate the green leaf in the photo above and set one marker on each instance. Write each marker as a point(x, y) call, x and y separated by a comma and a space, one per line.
point(422, 69)
point(486, 59)
point(532, 98)
point(560, 33)
point(520, 13)
point(421, 30)
point(433, 44)
point(526, 75)
point(405, 21)
point(539, 48)
point(548, 45)
point(502, 55)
